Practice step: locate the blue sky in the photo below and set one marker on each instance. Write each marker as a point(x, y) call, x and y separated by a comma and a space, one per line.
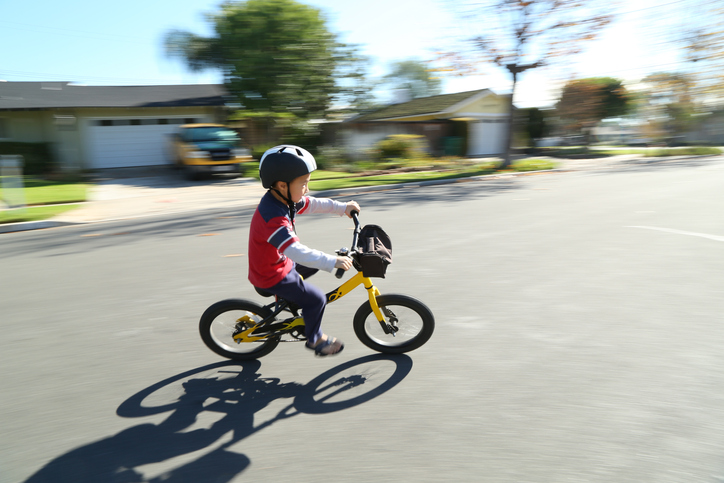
point(121, 43)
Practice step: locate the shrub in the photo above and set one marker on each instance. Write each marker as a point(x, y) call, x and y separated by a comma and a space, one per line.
point(258, 151)
point(38, 157)
point(405, 146)
point(331, 157)
point(250, 169)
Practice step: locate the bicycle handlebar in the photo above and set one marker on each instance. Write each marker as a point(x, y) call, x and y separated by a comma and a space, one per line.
point(344, 251)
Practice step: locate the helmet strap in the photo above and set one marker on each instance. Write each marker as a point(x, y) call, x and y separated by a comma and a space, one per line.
point(290, 204)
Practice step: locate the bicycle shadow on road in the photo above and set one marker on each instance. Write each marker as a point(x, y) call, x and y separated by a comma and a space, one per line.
point(235, 392)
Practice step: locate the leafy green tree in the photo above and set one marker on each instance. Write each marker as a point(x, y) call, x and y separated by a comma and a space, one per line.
point(701, 37)
point(355, 84)
point(276, 56)
point(669, 96)
point(585, 102)
point(415, 77)
point(520, 35)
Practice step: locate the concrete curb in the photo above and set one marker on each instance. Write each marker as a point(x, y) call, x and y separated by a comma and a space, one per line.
point(33, 225)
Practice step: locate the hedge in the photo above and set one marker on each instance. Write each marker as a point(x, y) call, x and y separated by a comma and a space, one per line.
point(38, 157)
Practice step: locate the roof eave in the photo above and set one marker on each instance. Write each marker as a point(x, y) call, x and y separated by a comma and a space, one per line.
point(445, 112)
point(405, 117)
point(479, 95)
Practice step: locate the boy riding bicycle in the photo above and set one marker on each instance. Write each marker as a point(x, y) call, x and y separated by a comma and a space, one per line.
point(278, 261)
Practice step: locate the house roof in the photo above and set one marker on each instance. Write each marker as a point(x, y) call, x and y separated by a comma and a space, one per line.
point(50, 95)
point(420, 106)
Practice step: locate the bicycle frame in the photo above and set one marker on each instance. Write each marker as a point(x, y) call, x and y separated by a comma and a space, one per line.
point(298, 321)
point(351, 284)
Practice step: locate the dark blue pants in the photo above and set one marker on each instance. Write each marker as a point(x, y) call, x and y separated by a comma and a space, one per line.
point(309, 298)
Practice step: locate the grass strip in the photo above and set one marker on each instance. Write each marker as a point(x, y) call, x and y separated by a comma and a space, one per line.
point(43, 192)
point(34, 213)
point(694, 151)
point(387, 179)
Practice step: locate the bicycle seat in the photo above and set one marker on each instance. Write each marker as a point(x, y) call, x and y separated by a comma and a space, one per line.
point(263, 292)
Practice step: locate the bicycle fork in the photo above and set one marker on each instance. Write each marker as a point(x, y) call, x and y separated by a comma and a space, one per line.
point(387, 327)
point(372, 292)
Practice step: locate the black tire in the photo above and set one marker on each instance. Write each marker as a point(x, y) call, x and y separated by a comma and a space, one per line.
point(218, 323)
point(416, 324)
point(191, 174)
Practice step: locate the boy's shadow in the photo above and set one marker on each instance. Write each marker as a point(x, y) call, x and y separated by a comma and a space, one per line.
point(236, 392)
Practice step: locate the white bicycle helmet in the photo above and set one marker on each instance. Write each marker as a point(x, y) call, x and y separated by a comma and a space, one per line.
point(285, 163)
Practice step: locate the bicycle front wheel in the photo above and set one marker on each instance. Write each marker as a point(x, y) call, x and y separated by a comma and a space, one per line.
point(220, 322)
point(410, 321)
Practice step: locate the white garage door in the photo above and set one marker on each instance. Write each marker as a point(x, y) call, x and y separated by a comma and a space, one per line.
point(486, 136)
point(128, 142)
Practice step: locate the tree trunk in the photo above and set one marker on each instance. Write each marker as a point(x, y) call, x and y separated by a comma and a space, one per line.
point(509, 132)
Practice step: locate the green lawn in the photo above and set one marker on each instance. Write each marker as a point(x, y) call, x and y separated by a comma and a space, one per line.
point(387, 179)
point(351, 180)
point(44, 192)
point(34, 213)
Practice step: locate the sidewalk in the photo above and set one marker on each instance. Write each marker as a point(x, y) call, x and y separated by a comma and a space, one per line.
point(143, 193)
point(121, 199)
point(138, 193)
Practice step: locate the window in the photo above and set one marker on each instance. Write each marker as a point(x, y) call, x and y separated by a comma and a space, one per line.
point(203, 134)
point(4, 128)
point(143, 122)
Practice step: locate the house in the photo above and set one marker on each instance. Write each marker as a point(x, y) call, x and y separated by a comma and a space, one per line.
point(469, 123)
point(707, 129)
point(98, 127)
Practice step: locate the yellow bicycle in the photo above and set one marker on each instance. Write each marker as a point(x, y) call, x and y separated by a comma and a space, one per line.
point(242, 330)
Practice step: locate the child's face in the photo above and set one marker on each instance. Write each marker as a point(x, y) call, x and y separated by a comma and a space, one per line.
point(299, 187)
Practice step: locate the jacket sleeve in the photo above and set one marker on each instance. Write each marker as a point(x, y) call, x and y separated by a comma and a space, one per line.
point(309, 257)
point(310, 204)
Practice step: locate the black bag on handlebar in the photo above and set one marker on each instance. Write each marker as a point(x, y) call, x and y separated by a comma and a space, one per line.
point(375, 251)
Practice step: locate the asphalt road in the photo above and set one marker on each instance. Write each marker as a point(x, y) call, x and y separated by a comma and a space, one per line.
point(579, 337)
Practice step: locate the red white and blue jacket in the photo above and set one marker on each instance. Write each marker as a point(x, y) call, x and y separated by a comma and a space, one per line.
point(273, 244)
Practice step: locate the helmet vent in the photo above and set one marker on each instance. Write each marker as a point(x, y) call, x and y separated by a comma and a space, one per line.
point(301, 155)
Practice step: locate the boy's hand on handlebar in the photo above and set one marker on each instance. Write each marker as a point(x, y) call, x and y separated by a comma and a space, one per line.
point(345, 263)
point(351, 206)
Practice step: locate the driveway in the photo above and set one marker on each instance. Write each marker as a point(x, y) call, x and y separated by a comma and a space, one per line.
point(119, 195)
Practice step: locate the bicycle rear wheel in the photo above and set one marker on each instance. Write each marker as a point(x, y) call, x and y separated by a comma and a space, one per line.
point(413, 321)
point(222, 320)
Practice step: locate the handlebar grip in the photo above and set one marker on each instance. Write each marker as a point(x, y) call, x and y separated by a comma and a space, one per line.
point(339, 273)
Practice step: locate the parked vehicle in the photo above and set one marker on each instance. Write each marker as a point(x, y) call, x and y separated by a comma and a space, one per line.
point(204, 149)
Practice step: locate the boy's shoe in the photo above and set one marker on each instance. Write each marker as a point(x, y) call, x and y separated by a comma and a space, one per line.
point(328, 347)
